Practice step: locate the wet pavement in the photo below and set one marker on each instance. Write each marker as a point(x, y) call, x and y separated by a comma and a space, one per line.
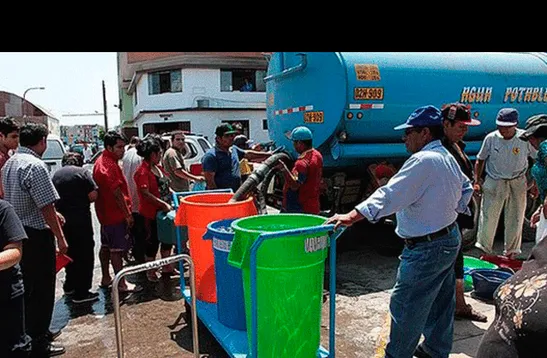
point(154, 320)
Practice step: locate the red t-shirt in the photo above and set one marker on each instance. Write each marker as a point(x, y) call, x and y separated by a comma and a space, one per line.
point(108, 176)
point(145, 178)
point(309, 170)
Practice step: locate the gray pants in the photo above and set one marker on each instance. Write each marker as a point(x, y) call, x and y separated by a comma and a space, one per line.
point(498, 195)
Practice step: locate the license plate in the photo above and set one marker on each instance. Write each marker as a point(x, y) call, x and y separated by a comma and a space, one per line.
point(314, 117)
point(361, 93)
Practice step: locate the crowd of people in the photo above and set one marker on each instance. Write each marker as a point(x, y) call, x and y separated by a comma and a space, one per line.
point(430, 196)
point(132, 182)
point(45, 216)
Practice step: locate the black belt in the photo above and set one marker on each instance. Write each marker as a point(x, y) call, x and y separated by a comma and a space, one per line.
point(429, 237)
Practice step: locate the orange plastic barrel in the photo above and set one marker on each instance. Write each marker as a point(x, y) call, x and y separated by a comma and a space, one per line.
point(196, 212)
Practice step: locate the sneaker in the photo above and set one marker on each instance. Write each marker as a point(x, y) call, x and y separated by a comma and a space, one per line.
point(87, 297)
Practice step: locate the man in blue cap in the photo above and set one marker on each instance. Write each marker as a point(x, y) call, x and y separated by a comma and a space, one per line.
point(426, 195)
point(302, 184)
point(504, 158)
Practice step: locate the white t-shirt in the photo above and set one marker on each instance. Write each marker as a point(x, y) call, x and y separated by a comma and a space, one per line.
point(505, 159)
point(130, 162)
point(88, 153)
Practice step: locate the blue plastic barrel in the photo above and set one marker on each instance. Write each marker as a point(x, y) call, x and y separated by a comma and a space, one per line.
point(486, 281)
point(230, 301)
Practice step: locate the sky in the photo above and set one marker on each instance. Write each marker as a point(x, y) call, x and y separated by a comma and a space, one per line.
point(72, 81)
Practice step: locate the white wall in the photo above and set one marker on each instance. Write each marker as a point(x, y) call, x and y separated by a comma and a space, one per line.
point(205, 121)
point(196, 84)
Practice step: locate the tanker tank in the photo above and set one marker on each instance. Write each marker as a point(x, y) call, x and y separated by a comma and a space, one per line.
point(352, 100)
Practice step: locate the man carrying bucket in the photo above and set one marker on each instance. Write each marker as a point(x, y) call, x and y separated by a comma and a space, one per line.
point(426, 195)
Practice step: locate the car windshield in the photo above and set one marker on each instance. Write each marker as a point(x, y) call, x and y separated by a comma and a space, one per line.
point(204, 144)
point(54, 150)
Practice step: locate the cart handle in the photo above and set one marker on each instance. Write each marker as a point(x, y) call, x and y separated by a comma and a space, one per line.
point(145, 267)
point(333, 236)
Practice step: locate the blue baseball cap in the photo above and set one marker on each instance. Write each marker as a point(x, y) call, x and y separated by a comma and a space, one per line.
point(301, 133)
point(425, 116)
point(507, 117)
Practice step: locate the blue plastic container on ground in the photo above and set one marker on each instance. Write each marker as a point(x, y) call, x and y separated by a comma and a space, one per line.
point(230, 300)
point(486, 281)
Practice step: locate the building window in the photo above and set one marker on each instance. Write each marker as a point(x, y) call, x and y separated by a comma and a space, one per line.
point(136, 100)
point(242, 80)
point(165, 82)
point(265, 124)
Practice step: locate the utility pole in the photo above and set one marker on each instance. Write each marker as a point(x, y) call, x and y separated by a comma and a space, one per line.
point(105, 109)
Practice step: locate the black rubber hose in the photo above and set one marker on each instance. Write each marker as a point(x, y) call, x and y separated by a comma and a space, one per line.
point(258, 175)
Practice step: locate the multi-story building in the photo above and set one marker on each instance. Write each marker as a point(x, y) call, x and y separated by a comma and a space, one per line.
point(24, 111)
point(81, 133)
point(192, 91)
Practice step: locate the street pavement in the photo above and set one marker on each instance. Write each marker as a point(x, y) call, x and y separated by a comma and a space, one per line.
point(154, 324)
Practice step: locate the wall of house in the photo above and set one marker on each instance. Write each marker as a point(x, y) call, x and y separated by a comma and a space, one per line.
point(197, 84)
point(126, 115)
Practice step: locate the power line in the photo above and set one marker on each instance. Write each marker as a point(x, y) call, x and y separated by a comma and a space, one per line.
point(82, 114)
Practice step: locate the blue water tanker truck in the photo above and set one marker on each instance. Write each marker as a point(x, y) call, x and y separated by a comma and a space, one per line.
point(352, 100)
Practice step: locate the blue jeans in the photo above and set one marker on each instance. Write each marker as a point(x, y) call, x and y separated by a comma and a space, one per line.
point(424, 298)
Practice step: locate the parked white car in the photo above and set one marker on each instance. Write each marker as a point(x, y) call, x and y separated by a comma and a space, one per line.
point(54, 153)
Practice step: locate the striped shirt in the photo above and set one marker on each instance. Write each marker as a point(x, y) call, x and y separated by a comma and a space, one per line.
point(28, 187)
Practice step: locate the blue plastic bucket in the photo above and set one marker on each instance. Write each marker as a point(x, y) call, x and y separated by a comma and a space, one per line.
point(229, 282)
point(486, 281)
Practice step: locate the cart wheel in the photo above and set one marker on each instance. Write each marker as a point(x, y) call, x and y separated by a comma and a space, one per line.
point(188, 314)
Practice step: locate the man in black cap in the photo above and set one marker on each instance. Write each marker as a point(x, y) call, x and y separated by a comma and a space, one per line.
point(456, 119)
point(221, 163)
point(504, 158)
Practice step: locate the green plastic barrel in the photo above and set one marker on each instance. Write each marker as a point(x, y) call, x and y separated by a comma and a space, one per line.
point(470, 263)
point(289, 280)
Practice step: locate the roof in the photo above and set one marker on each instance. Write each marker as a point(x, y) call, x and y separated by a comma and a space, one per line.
point(46, 112)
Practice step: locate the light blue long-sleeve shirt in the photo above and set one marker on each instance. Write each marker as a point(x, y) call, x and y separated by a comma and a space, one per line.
point(426, 194)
